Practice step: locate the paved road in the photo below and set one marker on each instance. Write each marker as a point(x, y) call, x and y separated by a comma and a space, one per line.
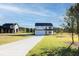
point(19, 48)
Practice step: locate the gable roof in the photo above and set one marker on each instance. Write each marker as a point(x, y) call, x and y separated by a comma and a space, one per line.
point(43, 24)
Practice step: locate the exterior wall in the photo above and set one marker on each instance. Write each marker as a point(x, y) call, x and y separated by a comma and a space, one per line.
point(49, 32)
point(52, 32)
point(39, 27)
point(16, 28)
point(43, 27)
point(43, 30)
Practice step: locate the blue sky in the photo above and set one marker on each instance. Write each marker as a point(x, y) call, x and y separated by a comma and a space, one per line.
point(27, 14)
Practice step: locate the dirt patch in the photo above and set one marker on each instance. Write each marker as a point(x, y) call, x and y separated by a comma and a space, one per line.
point(60, 36)
point(75, 43)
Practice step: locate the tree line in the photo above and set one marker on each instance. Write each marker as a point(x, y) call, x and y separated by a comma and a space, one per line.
point(26, 30)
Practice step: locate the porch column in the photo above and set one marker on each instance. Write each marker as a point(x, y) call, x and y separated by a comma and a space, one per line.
point(14, 30)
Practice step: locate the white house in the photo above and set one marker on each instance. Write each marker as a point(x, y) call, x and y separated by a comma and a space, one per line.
point(43, 28)
point(10, 28)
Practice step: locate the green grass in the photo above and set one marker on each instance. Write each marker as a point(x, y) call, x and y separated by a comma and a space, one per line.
point(55, 43)
point(8, 37)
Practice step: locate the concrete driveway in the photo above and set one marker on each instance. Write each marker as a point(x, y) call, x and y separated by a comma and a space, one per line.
point(19, 48)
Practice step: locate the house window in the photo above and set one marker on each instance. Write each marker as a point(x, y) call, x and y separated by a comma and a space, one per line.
point(40, 27)
point(50, 27)
point(47, 27)
point(49, 32)
point(11, 26)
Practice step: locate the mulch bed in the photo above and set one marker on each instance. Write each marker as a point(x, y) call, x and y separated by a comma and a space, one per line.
point(75, 43)
point(60, 36)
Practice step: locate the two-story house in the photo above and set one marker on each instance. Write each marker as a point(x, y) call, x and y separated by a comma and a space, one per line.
point(9, 28)
point(43, 28)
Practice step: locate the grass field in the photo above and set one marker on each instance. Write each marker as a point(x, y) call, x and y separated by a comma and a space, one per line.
point(8, 37)
point(54, 45)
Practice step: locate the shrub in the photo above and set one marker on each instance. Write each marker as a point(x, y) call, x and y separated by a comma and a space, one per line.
point(62, 51)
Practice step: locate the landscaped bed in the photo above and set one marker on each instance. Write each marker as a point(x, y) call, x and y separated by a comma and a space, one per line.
point(55, 45)
point(9, 37)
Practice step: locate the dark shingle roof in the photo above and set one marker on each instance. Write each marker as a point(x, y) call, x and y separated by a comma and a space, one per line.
point(43, 24)
point(1, 27)
point(7, 25)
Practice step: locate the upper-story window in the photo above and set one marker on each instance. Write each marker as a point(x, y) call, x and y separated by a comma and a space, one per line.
point(50, 27)
point(11, 26)
point(40, 27)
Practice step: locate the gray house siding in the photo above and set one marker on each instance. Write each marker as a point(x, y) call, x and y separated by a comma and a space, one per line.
point(43, 29)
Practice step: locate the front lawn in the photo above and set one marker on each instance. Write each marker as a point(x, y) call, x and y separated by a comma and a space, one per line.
point(54, 45)
point(8, 37)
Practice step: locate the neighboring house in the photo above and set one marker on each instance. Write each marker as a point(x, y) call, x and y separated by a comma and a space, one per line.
point(43, 28)
point(1, 29)
point(10, 28)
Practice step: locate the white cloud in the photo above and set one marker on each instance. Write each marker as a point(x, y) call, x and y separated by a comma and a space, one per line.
point(45, 10)
point(10, 8)
point(41, 12)
point(21, 10)
point(35, 12)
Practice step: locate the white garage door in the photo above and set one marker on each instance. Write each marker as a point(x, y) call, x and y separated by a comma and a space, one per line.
point(39, 32)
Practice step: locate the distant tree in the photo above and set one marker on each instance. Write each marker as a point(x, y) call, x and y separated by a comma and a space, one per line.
point(27, 30)
point(22, 29)
point(58, 29)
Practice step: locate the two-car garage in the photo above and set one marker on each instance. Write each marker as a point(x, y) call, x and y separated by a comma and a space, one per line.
point(40, 32)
